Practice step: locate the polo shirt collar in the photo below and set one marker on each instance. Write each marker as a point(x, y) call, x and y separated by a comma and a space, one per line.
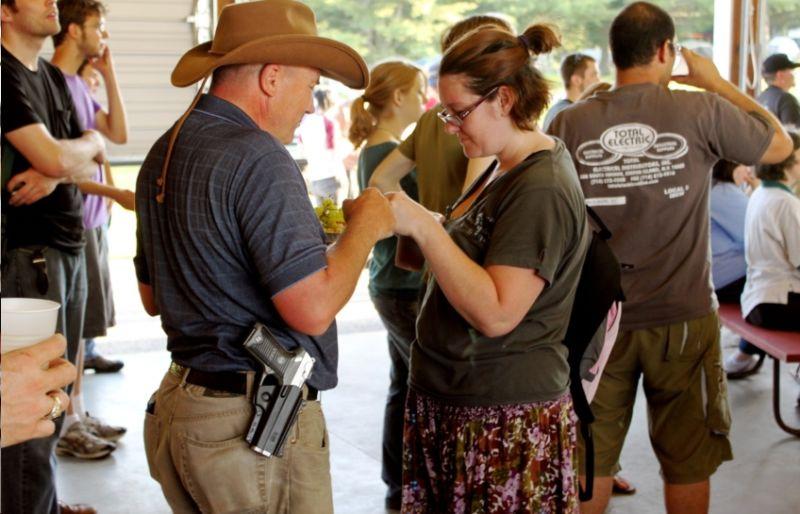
point(216, 106)
point(777, 185)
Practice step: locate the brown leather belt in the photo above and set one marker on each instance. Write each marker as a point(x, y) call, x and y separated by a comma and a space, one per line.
point(234, 382)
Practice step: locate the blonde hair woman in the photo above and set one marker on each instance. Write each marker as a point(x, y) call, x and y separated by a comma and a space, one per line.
point(393, 101)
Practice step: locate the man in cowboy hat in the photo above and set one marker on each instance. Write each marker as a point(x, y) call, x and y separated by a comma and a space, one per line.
point(227, 237)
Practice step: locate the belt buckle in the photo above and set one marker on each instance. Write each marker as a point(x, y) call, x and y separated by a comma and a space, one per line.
point(176, 369)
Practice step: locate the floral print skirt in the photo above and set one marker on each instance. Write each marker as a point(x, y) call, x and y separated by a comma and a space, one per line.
point(496, 459)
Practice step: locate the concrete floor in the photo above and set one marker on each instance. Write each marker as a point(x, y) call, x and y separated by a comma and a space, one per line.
point(764, 478)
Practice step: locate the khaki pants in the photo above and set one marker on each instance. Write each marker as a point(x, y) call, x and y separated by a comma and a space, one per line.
point(194, 441)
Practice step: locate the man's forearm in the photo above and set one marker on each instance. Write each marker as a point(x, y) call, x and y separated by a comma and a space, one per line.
point(82, 172)
point(311, 305)
point(746, 103)
point(346, 259)
point(77, 156)
point(117, 118)
point(56, 158)
point(123, 197)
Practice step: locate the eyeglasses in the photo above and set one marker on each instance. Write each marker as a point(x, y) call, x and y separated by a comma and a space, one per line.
point(457, 119)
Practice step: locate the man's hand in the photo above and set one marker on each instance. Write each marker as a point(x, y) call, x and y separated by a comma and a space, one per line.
point(103, 64)
point(28, 388)
point(100, 157)
point(30, 186)
point(702, 72)
point(370, 209)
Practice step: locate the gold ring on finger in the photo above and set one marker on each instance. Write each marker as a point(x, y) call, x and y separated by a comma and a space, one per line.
point(57, 408)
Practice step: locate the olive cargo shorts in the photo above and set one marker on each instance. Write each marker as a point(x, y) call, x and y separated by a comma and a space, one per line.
point(195, 447)
point(687, 400)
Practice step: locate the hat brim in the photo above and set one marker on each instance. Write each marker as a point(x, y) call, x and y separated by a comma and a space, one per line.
point(334, 59)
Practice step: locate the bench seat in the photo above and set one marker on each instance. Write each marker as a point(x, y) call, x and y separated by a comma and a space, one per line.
point(779, 345)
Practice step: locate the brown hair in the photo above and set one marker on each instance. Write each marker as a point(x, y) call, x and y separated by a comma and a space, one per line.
point(776, 171)
point(75, 11)
point(574, 64)
point(384, 80)
point(495, 57)
point(470, 23)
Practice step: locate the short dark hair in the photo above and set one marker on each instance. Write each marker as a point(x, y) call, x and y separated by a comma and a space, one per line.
point(572, 64)
point(10, 3)
point(723, 171)
point(778, 171)
point(75, 11)
point(637, 32)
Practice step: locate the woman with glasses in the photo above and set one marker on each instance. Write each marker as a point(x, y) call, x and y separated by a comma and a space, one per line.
point(393, 100)
point(489, 420)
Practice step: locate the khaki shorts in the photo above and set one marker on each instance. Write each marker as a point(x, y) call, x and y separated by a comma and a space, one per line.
point(687, 400)
point(195, 448)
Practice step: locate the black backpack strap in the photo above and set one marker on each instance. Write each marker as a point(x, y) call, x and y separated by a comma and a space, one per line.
point(588, 446)
point(585, 419)
point(604, 233)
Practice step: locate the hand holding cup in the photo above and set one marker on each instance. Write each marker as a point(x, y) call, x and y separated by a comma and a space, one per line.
point(31, 389)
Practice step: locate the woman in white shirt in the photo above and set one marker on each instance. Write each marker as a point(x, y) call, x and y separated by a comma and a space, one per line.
point(771, 296)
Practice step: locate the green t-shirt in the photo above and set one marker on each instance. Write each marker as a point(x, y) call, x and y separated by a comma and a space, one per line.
point(384, 277)
point(531, 217)
point(439, 157)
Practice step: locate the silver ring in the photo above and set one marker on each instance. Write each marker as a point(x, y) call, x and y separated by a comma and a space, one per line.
point(56, 410)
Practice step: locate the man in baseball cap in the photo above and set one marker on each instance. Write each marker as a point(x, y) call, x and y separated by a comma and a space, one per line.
point(227, 237)
point(778, 72)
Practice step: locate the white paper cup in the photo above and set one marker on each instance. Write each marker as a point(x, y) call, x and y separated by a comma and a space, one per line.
point(26, 321)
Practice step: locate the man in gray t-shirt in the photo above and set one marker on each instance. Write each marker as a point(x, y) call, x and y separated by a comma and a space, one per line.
point(643, 155)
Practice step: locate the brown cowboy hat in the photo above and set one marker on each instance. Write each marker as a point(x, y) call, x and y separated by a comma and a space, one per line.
point(274, 32)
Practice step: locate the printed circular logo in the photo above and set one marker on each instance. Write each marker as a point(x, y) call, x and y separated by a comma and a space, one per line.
point(592, 153)
point(628, 139)
point(668, 146)
point(631, 140)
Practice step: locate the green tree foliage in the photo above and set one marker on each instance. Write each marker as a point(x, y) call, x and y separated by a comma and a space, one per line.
point(784, 15)
point(381, 29)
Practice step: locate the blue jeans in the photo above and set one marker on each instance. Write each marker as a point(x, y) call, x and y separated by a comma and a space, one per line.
point(400, 318)
point(28, 480)
point(89, 352)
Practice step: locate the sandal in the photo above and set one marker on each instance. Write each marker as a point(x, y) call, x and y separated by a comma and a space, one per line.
point(622, 486)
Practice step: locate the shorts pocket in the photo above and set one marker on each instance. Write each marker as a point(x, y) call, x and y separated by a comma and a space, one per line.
point(691, 340)
point(715, 392)
point(224, 476)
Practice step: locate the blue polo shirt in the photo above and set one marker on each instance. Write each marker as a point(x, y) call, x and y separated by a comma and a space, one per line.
point(728, 207)
point(235, 229)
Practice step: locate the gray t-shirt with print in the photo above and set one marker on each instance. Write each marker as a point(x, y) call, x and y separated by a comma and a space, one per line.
point(531, 217)
point(644, 154)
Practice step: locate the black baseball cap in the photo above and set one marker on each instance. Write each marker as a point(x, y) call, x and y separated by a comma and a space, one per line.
point(777, 62)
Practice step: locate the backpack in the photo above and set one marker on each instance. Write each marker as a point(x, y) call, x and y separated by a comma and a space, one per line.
point(592, 331)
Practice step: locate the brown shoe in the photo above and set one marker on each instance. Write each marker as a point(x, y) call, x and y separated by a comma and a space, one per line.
point(102, 365)
point(79, 508)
